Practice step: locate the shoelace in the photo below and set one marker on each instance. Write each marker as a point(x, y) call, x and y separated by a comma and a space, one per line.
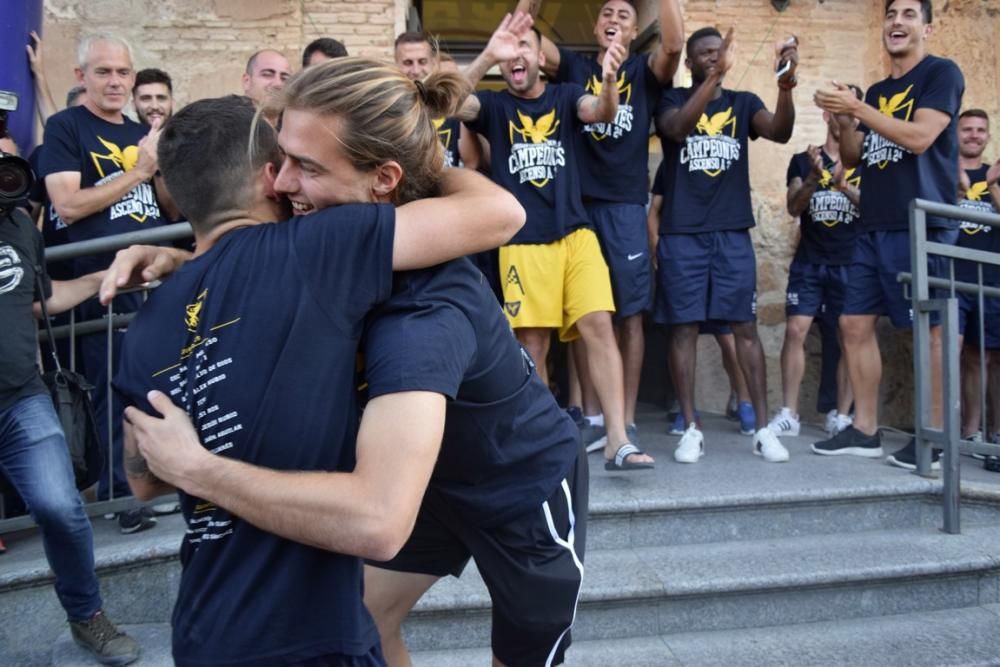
point(102, 628)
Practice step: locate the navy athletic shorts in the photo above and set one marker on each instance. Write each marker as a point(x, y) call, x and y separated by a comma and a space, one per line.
point(813, 286)
point(706, 276)
point(621, 229)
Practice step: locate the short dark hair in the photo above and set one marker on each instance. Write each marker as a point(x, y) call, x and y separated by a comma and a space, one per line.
point(412, 37)
point(538, 35)
point(73, 94)
point(208, 159)
point(926, 9)
point(153, 75)
point(328, 46)
point(631, 3)
point(975, 113)
point(700, 34)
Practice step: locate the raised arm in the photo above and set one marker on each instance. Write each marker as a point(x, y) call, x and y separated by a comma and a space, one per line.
point(604, 108)
point(664, 60)
point(677, 123)
point(778, 126)
point(503, 45)
point(915, 135)
point(369, 512)
point(74, 203)
point(43, 95)
point(801, 190)
point(472, 215)
point(549, 48)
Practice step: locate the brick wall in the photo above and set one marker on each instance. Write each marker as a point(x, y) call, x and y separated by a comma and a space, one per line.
point(204, 45)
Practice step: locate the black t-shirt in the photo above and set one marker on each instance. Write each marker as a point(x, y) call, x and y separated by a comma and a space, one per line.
point(77, 140)
point(256, 340)
point(54, 230)
point(507, 445)
point(829, 226)
point(978, 237)
point(657, 188)
point(535, 153)
point(614, 166)
point(21, 251)
point(708, 176)
point(893, 175)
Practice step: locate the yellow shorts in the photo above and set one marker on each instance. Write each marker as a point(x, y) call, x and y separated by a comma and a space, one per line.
point(553, 285)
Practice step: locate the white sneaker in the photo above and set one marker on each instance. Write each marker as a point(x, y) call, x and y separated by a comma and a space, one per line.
point(843, 421)
point(766, 444)
point(785, 423)
point(691, 447)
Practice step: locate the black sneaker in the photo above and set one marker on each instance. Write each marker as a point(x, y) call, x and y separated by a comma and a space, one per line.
point(907, 457)
point(136, 521)
point(851, 441)
point(992, 463)
point(101, 637)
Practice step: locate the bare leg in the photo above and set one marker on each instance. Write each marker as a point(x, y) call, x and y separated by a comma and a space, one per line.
point(845, 394)
point(575, 397)
point(937, 386)
point(971, 414)
point(864, 368)
point(390, 596)
point(683, 355)
point(737, 383)
point(793, 359)
point(604, 362)
point(591, 402)
point(632, 343)
point(750, 353)
point(536, 342)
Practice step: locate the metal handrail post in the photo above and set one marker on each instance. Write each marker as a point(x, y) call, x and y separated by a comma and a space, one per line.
point(952, 406)
point(920, 293)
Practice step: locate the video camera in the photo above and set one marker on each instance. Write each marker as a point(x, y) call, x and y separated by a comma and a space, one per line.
point(16, 178)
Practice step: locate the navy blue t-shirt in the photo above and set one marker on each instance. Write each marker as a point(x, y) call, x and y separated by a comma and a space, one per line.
point(534, 153)
point(507, 445)
point(978, 237)
point(449, 130)
point(614, 167)
point(708, 176)
point(657, 188)
point(829, 226)
point(77, 140)
point(893, 175)
point(257, 340)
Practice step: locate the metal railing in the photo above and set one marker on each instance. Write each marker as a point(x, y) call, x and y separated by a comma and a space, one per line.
point(947, 436)
point(108, 324)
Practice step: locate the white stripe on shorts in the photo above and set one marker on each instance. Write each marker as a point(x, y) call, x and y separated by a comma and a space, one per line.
point(568, 543)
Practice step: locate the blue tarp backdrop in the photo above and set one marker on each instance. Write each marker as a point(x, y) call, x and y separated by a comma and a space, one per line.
point(17, 19)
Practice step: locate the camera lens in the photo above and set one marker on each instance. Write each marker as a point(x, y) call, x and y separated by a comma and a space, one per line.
point(15, 178)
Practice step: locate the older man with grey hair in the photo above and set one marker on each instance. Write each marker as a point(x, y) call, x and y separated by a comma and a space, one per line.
point(98, 166)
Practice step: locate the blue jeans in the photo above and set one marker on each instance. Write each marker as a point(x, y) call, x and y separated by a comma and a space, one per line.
point(35, 459)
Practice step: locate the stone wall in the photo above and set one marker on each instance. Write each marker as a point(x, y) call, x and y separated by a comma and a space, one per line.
point(204, 44)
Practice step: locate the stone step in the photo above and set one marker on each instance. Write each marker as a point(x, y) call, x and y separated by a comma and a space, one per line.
point(966, 637)
point(651, 591)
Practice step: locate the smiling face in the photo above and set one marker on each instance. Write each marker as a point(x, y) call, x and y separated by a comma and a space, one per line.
point(107, 78)
point(904, 30)
point(153, 101)
point(416, 59)
point(315, 172)
point(703, 55)
point(267, 75)
point(521, 73)
point(973, 136)
point(617, 19)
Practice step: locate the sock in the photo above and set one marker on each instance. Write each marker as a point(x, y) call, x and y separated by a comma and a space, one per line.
point(595, 420)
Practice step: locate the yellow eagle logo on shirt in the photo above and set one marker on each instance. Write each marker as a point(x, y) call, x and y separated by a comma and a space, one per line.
point(123, 159)
point(192, 312)
point(715, 125)
point(976, 191)
point(444, 135)
point(893, 105)
point(596, 85)
point(536, 132)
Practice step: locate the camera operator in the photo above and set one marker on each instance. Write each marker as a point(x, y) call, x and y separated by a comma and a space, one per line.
point(34, 456)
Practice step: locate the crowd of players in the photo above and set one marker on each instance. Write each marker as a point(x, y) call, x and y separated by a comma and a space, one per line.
point(364, 159)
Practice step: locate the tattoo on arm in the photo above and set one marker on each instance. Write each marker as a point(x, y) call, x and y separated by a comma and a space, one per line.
point(136, 467)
